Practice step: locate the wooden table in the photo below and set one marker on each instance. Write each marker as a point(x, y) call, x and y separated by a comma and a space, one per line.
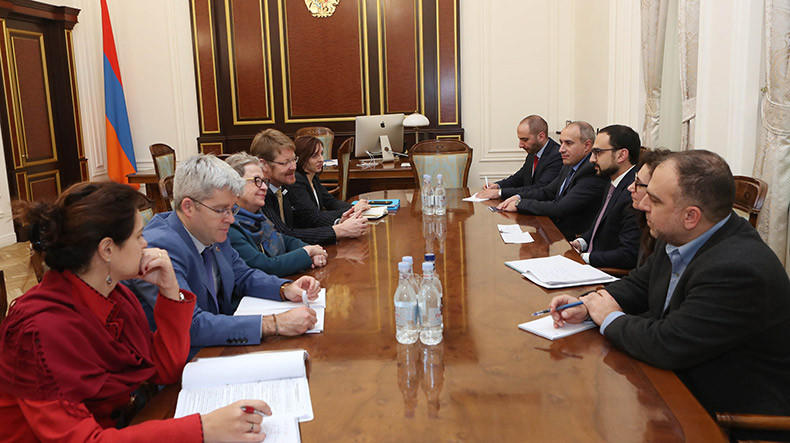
point(151, 182)
point(379, 178)
point(487, 380)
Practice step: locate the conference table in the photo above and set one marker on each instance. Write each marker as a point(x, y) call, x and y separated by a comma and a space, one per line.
point(487, 380)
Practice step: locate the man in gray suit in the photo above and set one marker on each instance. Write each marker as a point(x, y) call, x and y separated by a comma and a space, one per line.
point(195, 236)
point(712, 303)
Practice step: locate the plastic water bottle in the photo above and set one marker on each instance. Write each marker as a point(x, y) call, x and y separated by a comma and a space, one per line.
point(414, 279)
point(439, 197)
point(430, 308)
point(427, 195)
point(431, 258)
point(406, 320)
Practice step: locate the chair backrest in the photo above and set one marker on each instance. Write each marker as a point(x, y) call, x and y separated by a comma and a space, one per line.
point(749, 197)
point(166, 189)
point(146, 209)
point(451, 158)
point(3, 296)
point(343, 165)
point(326, 136)
point(164, 159)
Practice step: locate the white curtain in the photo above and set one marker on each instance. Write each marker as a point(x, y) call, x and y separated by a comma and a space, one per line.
point(654, 25)
point(688, 44)
point(772, 160)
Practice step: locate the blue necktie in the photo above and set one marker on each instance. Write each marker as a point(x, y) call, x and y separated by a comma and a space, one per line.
point(565, 183)
point(208, 264)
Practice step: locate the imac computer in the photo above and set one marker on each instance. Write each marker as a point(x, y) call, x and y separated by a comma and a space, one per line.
point(373, 130)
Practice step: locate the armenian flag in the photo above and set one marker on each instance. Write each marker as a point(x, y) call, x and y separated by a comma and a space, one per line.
point(120, 151)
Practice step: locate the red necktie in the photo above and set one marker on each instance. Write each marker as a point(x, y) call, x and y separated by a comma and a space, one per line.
point(535, 165)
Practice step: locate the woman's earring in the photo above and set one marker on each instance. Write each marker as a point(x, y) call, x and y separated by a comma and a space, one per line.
point(108, 280)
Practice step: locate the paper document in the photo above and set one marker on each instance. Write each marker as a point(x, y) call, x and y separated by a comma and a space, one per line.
point(558, 271)
point(512, 234)
point(475, 198)
point(375, 212)
point(281, 429)
point(261, 306)
point(544, 327)
point(277, 377)
point(330, 162)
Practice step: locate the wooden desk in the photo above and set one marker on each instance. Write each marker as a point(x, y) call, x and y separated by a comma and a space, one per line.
point(487, 380)
point(151, 182)
point(382, 177)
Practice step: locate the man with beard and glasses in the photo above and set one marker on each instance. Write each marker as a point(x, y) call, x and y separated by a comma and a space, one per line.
point(613, 238)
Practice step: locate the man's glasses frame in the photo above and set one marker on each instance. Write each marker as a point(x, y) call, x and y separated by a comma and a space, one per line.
point(285, 163)
point(222, 212)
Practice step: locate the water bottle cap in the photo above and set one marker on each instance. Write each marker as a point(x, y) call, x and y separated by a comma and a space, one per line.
point(403, 266)
point(408, 259)
point(439, 176)
point(428, 176)
point(430, 257)
point(427, 266)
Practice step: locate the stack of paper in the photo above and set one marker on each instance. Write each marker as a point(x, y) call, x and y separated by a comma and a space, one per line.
point(559, 272)
point(475, 198)
point(277, 377)
point(544, 327)
point(375, 212)
point(262, 306)
point(513, 234)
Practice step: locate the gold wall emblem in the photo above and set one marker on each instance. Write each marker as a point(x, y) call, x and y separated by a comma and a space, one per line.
point(321, 8)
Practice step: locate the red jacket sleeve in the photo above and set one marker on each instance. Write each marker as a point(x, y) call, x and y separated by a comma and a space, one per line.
point(170, 342)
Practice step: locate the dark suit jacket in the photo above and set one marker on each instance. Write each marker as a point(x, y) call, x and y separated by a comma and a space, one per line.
point(575, 209)
point(727, 328)
point(616, 242)
point(319, 232)
point(328, 208)
point(548, 168)
point(213, 323)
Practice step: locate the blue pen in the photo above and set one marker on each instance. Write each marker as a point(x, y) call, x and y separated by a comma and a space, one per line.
point(569, 305)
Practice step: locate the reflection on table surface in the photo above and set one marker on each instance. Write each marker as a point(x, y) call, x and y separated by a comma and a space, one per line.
point(487, 380)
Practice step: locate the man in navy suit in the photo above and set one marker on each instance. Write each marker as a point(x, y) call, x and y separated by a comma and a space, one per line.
point(541, 167)
point(573, 198)
point(613, 239)
point(195, 236)
point(712, 302)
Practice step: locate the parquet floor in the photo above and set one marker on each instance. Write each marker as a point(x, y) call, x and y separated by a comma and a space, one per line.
point(19, 277)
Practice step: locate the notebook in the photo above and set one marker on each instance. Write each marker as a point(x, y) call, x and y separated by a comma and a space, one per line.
point(544, 327)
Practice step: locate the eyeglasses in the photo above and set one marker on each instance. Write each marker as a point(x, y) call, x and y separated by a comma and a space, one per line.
point(285, 163)
point(259, 182)
point(597, 151)
point(222, 212)
point(639, 184)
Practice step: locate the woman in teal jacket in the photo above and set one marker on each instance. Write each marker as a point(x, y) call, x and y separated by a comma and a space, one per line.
point(253, 236)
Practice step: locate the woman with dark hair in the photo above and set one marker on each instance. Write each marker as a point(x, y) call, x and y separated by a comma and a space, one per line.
point(648, 161)
point(76, 348)
point(308, 189)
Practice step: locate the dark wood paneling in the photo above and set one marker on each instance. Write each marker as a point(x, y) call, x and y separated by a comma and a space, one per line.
point(401, 51)
point(324, 61)
point(211, 148)
point(44, 187)
point(446, 25)
point(203, 31)
point(34, 100)
point(250, 69)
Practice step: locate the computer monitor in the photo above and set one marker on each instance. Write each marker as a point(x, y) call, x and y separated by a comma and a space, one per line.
point(370, 128)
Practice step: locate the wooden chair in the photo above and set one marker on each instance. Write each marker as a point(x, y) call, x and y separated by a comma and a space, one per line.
point(146, 208)
point(326, 136)
point(753, 422)
point(749, 197)
point(3, 297)
point(164, 159)
point(451, 158)
point(166, 189)
point(343, 165)
point(38, 265)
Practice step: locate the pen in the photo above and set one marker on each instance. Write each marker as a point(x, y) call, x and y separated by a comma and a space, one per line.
point(569, 305)
point(251, 410)
point(304, 298)
point(486, 177)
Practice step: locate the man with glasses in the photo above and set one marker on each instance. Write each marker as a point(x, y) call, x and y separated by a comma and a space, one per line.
point(613, 239)
point(195, 236)
point(573, 198)
point(277, 152)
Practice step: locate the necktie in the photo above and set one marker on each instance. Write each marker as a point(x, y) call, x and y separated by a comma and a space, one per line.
point(279, 194)
point(565, 183)
point(208, 264)
point(600, 216)
point(534, 165)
